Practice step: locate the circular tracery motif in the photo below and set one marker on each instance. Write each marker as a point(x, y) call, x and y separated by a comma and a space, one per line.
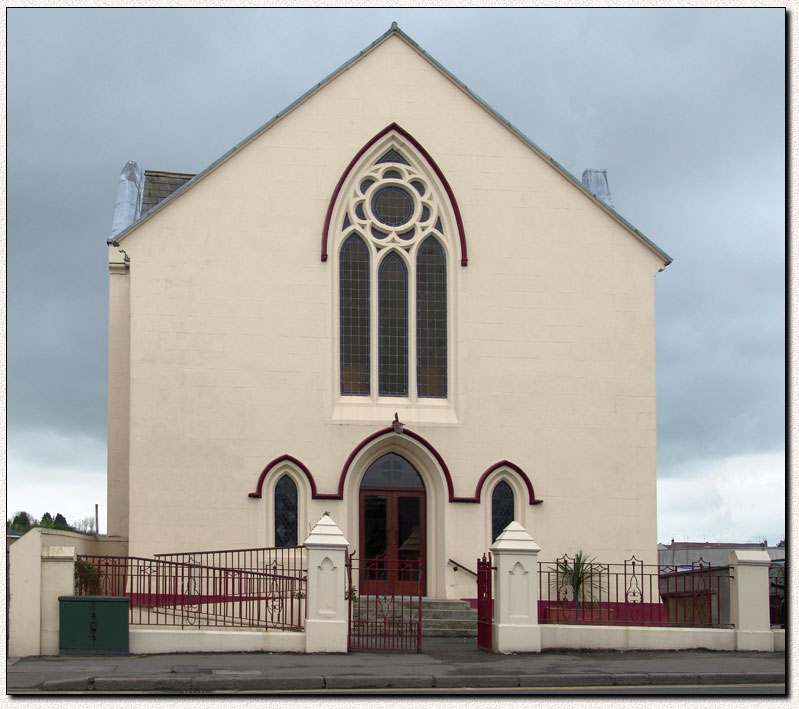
point(392, 205)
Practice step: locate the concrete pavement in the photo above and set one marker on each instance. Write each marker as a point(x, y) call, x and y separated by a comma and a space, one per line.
point(443, 663)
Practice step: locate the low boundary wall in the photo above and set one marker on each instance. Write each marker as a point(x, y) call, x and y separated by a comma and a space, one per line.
point(151, 641)
point(630, 637)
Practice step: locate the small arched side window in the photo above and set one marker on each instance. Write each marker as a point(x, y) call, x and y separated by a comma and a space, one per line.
point(501, 508)
point(285, 512)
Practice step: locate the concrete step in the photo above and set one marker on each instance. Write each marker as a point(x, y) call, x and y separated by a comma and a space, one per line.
point(454, 622)
point(441, 617)
point(448, 633)
point(467, 614)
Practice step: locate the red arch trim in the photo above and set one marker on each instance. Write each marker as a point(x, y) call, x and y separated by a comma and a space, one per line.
point(272, 464)
point(339, 495)
point(416, 144)
point(516, 469)
point(405, 432)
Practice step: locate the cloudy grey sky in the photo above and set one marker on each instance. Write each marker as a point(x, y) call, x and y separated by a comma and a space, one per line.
point(684, 108)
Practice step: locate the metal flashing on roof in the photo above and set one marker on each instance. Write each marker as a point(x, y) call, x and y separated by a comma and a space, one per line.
point(395, 30)
point(126, 208)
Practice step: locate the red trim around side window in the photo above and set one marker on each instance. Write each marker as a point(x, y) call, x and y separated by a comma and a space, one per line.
point(339, 495)
point(516, 469)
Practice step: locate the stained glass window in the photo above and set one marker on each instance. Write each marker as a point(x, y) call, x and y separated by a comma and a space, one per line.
point(393, 156)
point(393, 327)
point(354, 317)
point(285, 512)
point(394, 281)
point(431, 319)
point(501, 508)
point(392, 205)
point(392, 470)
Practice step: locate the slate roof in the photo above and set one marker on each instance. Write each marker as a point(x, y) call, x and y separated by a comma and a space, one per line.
point(159, 185)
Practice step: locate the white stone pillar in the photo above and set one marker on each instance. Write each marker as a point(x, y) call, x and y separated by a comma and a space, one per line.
point(58, 579)
point(749, 600)
point(325, 607)
point(515, 556)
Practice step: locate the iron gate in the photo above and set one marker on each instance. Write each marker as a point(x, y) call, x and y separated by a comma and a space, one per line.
point(390, 616)
point(485, 603)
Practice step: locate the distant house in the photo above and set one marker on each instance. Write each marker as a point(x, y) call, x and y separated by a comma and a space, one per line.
point(390, 305)
point(713, 553)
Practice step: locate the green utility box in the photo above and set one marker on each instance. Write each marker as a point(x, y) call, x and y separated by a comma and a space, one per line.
point(93, 625)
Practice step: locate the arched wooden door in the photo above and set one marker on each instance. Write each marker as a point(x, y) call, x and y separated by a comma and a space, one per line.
point(393, 527)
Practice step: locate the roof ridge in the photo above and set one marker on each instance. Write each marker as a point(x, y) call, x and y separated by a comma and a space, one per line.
point(170, 174)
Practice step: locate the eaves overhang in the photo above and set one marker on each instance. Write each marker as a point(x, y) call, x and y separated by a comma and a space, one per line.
point(395, 30)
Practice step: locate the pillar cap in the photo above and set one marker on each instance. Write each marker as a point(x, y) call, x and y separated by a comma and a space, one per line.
point(326, 534)
point(515, 538)
point(753, 557)
point(59, 553)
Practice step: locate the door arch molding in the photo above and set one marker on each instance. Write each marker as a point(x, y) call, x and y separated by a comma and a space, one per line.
point(436, 493)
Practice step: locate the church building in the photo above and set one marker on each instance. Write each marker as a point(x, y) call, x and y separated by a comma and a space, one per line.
point(389, 305)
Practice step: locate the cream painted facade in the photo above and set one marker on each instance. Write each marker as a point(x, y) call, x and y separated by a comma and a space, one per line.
point(224, 338)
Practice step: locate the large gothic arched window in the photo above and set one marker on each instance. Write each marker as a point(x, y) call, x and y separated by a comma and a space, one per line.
point(393, 251)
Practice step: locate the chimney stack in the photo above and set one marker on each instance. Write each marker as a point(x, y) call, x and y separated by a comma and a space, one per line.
point(129, 191)
point(596, 182)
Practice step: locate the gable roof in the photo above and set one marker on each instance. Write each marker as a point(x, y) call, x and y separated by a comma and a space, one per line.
point(160, 185)
point(393, 30)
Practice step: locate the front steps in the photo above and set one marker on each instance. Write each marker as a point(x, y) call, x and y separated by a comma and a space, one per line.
point(441, 617)
point(444, 618)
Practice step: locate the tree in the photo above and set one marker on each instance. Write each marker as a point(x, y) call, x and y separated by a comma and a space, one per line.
point(46, 521)
point(22, 522)
point(60, 522)
point(84, 525)
point(581, 574)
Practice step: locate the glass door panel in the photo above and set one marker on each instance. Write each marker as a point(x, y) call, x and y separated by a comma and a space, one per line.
point(375, 535)
point(409, 542)
point(392, 536)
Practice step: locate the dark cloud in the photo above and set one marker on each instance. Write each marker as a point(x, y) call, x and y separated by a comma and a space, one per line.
point(685, 108)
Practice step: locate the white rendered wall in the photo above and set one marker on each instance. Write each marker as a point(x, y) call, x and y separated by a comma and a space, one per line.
point(144, 641)
point(231, 338)
point(34, 584)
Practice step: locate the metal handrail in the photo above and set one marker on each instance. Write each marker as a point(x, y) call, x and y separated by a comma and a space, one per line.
point(461, 566)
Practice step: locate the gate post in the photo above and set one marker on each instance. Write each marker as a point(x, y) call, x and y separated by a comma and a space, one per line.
point(749, 598)
point(516, 626)
point(58, 579)
point(326, 624)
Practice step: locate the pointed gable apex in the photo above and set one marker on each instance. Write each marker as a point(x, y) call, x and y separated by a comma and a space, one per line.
point(395, 31)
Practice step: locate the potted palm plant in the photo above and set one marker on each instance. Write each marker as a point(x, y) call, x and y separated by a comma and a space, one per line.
point(578, 586)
